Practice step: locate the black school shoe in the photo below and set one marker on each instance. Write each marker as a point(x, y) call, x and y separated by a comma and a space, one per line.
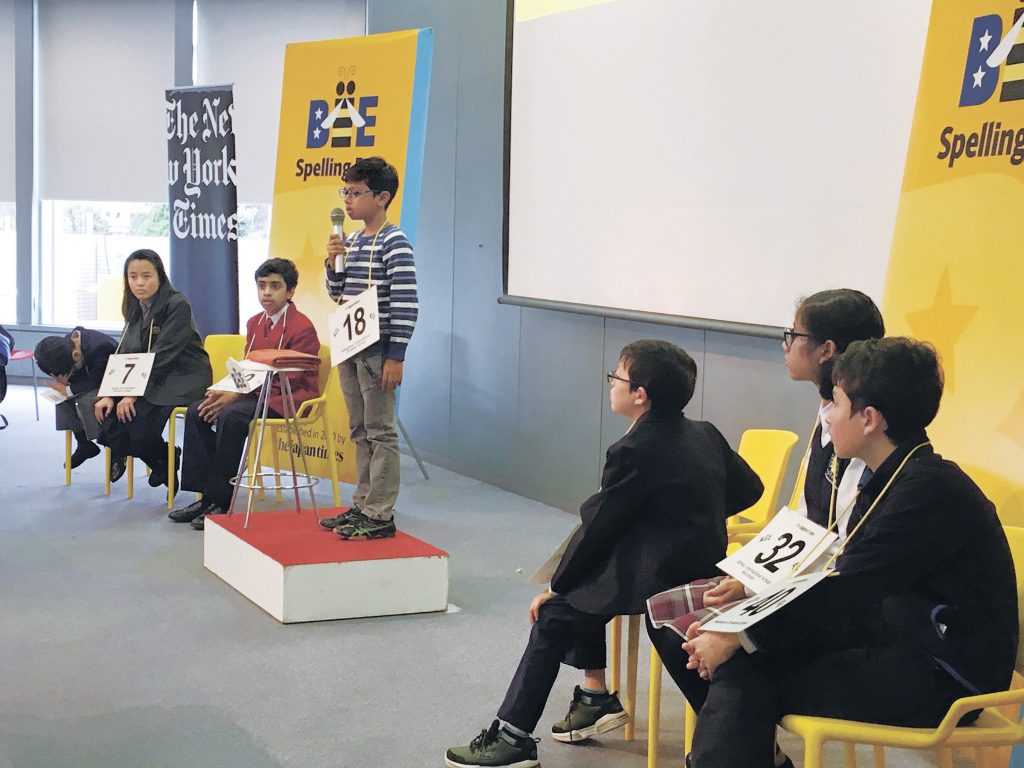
point(84, 452)
point(199, 524)
point(158, 475)
point(118, 465)
point(586, 720)
point(189, 513)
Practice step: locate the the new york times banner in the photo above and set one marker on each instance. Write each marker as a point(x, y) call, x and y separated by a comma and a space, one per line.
point(204, 203)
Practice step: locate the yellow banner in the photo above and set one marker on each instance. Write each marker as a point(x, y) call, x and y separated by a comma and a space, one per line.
point(343, 100)
point(955, 270)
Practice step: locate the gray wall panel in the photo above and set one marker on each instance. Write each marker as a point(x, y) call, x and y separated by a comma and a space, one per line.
point(429, 362)
point(485, 352)
point(747, 386)
point(561, 397)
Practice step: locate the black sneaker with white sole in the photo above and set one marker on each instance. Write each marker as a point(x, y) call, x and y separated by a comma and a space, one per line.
point(495, 748)
point(589, 716)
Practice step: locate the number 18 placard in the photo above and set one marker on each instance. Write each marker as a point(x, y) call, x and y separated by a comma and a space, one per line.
point(354, 326)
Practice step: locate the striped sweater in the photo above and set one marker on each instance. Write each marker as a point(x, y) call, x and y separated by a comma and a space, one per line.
point(393, 273)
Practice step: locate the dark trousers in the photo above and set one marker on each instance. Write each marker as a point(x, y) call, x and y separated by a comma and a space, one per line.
point(669, 646)
point(142, 437)
point(562, 635)
point(211, 452)
point(750, 693)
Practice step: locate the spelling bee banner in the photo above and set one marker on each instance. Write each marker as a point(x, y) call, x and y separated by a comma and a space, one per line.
point(343, 100)
point(956, 269)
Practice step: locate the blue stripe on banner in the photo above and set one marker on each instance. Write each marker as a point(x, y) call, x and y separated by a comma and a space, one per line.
point(417, 133)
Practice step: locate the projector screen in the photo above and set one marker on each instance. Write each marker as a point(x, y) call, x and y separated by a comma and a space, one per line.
point(709, 160)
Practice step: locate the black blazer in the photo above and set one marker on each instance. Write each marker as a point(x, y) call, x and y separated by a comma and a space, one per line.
point(96, 348)
point(659, 519)
point(181, 370)
point(929, 569)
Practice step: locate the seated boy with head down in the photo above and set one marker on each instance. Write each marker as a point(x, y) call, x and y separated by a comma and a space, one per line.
point(77, 362)
point(217, 425)
point(658, 520)
point(923, 609)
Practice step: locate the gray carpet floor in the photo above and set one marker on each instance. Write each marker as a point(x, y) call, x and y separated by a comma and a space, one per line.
point(119, 649)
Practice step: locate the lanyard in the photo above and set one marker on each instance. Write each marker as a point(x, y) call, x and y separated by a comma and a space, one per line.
point(149, 347)
point(369, 261)
point(842, 547)
point(284, 327)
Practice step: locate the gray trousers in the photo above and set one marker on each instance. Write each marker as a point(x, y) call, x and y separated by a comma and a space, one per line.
point(373, 429)
point(77, 414)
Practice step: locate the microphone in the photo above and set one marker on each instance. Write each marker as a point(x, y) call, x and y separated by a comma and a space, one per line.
point(337, 222)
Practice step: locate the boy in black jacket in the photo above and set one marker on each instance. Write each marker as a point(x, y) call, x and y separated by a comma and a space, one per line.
point(923, 609)
point(658, 520)
point(77, 363)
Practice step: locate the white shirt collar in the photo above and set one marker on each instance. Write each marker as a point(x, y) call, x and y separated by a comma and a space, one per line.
point(823, 410)
point(275, 317)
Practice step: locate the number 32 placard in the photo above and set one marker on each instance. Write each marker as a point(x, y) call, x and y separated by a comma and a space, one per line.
point(787, 546)
point(127, 375)
point(354, 326)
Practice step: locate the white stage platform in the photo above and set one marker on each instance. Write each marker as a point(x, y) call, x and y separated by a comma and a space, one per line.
point(295, 570)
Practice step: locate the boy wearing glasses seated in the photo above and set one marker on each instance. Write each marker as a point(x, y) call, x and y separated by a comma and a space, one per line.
point(923, 609)
point(377, 255)
point(659, 520)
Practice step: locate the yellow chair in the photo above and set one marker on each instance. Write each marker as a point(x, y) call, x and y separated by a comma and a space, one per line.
point(308, 413)
point(992, 729)
point(219, 346)
point(767, 452)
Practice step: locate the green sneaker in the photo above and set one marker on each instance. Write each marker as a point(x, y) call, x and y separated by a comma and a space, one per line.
point(363, 527)
point(584, 721)
point(491, 749)
point(330, 523)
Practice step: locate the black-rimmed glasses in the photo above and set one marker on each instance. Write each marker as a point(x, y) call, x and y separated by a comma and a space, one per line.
point(612, 377)
point(789, 336)
point(344, 193)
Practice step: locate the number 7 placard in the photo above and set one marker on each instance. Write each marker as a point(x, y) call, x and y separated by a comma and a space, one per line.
point(787, 546)
point(354, 326)
point(127, 375)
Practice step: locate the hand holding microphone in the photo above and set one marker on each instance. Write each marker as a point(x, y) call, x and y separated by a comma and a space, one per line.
point(336, 242)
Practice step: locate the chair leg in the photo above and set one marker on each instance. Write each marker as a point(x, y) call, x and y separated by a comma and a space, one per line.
point(171, 473)
point(879, 756)
point(67, 457)
point(131, 476)
point(412, 449)
point(689, 726)
point(850, 750)
point(106, 480)
point(945, 757)
point(35, 386)
point(632, 660)
point(812, 752)
point(615, 651)
point(654, 710)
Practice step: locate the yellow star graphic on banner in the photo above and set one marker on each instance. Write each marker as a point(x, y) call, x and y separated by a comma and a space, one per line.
point(942, 325)
point(1013, 425)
